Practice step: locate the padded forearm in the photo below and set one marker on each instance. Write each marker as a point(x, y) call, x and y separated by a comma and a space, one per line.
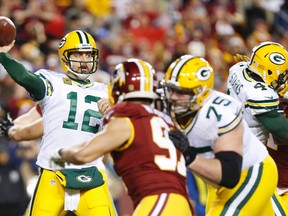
point(32, 83)
point(275, 123)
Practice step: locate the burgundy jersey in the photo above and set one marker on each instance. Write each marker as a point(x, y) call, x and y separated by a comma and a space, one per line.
point(148, 162)
point(280, 157)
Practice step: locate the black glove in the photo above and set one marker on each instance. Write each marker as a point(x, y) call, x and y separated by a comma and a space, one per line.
point(181, 142)
point(6, 124)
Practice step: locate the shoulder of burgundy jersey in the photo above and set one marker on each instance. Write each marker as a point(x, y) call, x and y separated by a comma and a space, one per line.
point(38, 108)
point(127, 109)
point(134, 110)
point(123, 109)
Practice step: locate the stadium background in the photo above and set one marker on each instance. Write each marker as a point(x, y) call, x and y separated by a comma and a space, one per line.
point(155, 31)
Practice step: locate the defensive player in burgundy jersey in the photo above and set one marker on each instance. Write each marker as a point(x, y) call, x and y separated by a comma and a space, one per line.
point(156, 168)
point(260, 83)
point(240, 175)
point(136, 134)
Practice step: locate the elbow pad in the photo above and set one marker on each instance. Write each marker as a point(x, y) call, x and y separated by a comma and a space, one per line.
point(231, 163)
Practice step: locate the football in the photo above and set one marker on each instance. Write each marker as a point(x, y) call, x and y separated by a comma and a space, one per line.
point(7, 31)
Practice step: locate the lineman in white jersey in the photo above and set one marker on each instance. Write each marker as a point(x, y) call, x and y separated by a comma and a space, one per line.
point(70, 115)
point(257, 97)
point(240, 174)
point(258, 82)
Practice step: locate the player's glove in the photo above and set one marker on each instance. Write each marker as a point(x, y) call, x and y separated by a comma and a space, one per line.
point(181, 142)
point(240, 58)
point(5, 125)
point(56, 161)
point(281, 85)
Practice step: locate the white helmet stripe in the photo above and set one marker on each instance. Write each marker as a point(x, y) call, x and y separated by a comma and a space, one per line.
point(178, 66)
point(82, 37)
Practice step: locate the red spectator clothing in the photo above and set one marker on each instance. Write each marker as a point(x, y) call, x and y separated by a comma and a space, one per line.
point(56, 27)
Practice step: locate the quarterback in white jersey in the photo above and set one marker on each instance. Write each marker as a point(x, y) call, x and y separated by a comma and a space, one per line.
point(259, 83)
point(240, 174)
point(70, 115)
point(72, 106)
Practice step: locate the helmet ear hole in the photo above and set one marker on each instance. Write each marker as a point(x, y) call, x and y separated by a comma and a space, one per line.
point(270, 72)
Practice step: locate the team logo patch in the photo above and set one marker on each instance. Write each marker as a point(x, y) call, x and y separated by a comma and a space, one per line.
point(52, 182)
point(84, 178)
point(277, 58)
point(203, 74)
point(62, 42)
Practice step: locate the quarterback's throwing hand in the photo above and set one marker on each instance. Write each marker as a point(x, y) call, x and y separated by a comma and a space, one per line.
point(7, 48)
point(181, 142)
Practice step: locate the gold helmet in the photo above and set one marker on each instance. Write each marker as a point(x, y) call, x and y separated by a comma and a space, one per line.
point(77, 41)
point(188, 75)
point(269, 60)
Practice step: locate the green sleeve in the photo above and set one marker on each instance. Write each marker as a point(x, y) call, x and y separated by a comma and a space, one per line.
point(275, 123)
point(30, 81)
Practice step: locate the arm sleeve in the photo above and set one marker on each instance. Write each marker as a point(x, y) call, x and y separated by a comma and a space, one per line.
point(31, 82)
point(275, 123)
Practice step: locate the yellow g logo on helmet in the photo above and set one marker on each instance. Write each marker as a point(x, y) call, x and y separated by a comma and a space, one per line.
point(277, 58)
point(203, 74)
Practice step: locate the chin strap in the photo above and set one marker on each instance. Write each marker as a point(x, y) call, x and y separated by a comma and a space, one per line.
point(182, 121)
point(80, 76)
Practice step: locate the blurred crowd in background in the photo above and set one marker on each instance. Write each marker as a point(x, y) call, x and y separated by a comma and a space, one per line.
point(156, 31)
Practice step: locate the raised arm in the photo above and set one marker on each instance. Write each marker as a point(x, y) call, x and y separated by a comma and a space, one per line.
point(32, 83)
